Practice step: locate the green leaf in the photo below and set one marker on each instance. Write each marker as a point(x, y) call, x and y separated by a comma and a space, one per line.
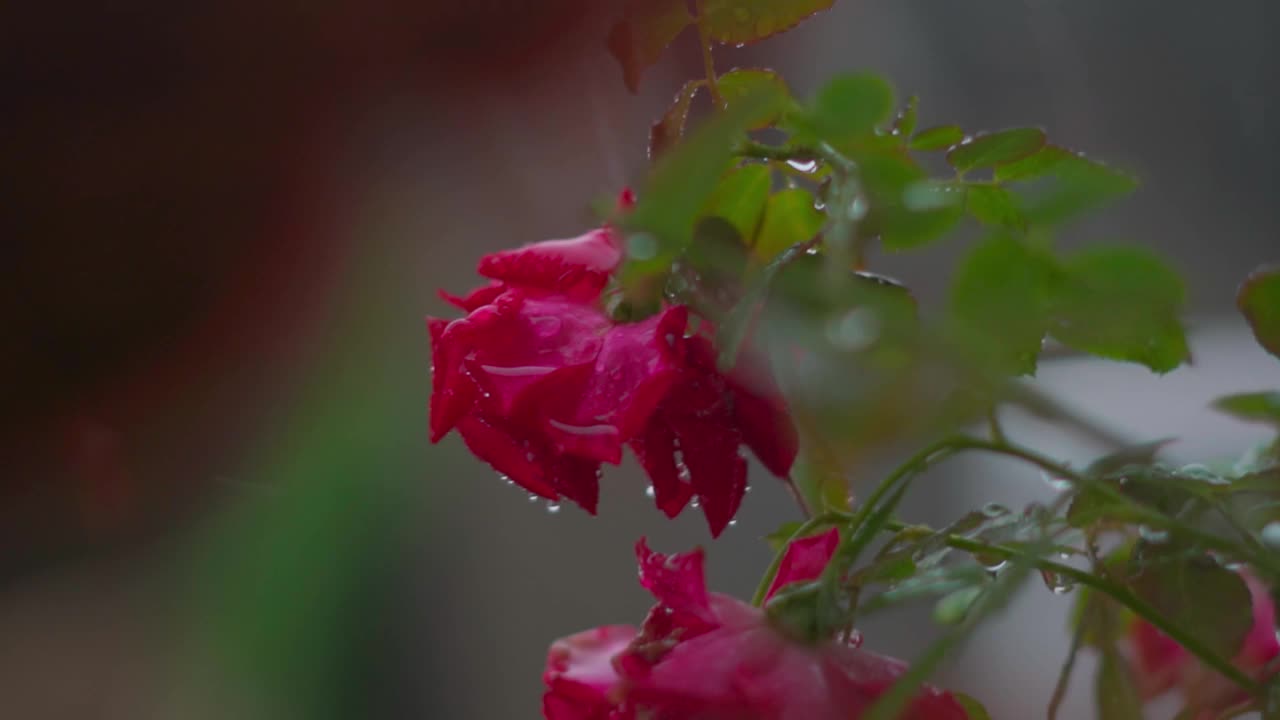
point(1259, 300)
point(907, 210)
point(1036, 165)
point(646, 29)
point(1080, 185)
point(1209, 601)
point(779, 537)
point(850, 106)
point(1261, 407)
point(1116, 695)
point(905, 123)
point(680, 184)
point(1122, 303)
point(739, 84)
point(973, 709)
point(999, 303)
point(670, 128)
point(719, 257)
point(740, 198)
point(1139, 454)
point(954, 607)
point(998, 148)
point(734, 22)
point(937, 138)
point(789, 218)
point(994, 205)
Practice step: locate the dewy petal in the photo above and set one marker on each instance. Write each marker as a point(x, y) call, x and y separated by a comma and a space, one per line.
point(579, 675)
point(508, 455)
point(758, 407)
point(677, 581)
point(636, 366)
point(526, 340)
point(698, 410)
point(655, 448)
point(452, 391)
point(475, 299)
point(805, 559)
point(578, 266)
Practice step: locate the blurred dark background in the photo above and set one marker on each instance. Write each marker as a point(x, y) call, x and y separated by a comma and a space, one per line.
point(223, 225)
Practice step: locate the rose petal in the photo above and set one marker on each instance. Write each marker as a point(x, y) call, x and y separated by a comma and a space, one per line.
point(514, 458)
point(805, 559)
point(635, 368)
point(579, 675)
point(475, 299)
point(677, 581)
point(452, 392)
point(578, 267)
point(655, 448)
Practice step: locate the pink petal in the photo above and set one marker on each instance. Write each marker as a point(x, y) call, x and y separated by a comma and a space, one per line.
point(507, 455)
point(452, 392)
point(636, 366)
point(475, 299)
point(578, 266)
point(805, 559)
point(579, 675)
point(676, 581)
point(717, 471)
point(655, 448)
point(758, 407)
point(577, 479)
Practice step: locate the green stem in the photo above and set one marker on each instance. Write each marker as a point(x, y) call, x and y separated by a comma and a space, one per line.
point(709, 65)
point(1115, 591)
point(1144, 514)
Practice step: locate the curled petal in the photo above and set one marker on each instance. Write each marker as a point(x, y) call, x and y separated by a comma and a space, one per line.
point(805, 559)
point(452, 391)
point(475, 299)
point(677, 581)
point(636, 366)
point(578, 267)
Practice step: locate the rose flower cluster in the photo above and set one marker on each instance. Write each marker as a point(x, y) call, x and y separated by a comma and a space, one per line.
point(545, 386)
point(709, 656)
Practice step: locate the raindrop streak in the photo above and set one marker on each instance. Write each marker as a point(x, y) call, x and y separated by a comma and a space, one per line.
point(804, 166)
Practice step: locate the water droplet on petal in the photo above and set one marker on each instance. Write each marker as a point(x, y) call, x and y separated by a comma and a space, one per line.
point(533, 498)
point(733, 522)
point(649, 492)
point(553, 508)
point(695, 504)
